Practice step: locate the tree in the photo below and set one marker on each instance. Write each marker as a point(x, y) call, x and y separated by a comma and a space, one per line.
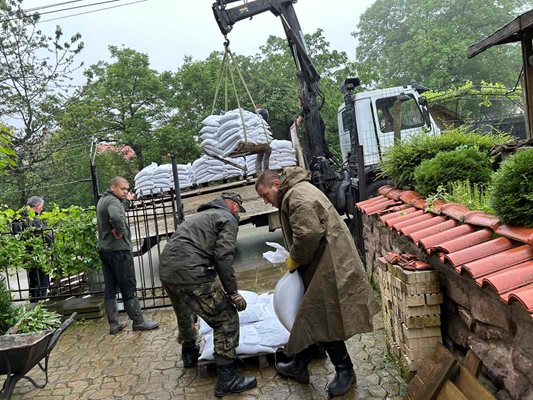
point(34, 73)
point(425, 41)
point(7, 154)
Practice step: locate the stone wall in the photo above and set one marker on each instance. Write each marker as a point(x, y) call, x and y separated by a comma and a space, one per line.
point(501, 335)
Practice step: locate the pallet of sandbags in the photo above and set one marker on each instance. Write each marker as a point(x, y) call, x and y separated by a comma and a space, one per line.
point(234, 134)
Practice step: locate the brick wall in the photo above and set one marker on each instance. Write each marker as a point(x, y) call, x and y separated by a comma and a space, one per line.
point(471, 317)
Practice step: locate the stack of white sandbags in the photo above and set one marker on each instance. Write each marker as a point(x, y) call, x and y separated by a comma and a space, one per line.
point(209, 136)
point(233, 129)
point(260, 329)
point(283, 155)
point(163, 177)
point(143, 180)
point(208, 169)
point(155, 179)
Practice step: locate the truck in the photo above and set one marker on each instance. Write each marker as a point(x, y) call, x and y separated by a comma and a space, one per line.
point(369, 122)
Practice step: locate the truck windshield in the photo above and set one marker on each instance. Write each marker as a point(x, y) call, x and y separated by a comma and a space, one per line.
point(410, 114)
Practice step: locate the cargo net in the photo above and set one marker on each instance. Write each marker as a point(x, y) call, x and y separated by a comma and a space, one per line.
point(237, 132)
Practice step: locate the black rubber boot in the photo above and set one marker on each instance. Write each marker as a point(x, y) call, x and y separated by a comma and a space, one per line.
point(133, 308)
point(345, 374)
point(229, 381)
point(297, 368)
point(189, 356)
point(111, 309)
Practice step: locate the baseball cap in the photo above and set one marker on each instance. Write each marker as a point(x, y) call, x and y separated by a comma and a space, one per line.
point(236, 197)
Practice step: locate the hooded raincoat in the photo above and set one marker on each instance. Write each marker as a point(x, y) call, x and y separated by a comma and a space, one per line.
point(339, 301)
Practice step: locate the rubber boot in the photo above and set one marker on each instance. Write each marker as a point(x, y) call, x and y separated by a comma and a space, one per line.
point(297, 368)
point(345, 374)
point(229, 381)
point(133, 308)
point(111, 309)
point(189, 356)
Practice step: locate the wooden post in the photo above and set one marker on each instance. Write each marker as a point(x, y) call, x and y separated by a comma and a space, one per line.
point(527, 57)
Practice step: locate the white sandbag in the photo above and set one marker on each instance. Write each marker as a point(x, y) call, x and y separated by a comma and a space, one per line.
point(208, 129)
point(281, 144)
point(226, 126)
point(212, 120)
point(205, 136)
point(288, 295)
point(148, 170)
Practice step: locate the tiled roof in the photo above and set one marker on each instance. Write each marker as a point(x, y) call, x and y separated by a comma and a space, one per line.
point(474, 244)
point(126, 151)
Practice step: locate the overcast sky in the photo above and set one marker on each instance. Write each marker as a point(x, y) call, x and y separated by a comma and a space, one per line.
point(168, 30)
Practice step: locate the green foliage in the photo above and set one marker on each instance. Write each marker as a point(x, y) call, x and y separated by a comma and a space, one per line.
point(75, 241)
point(35, 70)
point(400, 161)
point(512, 195)
point(7, 154)
point(478, 105)
point(462, 164)
point(37, 319)
point(474, 196)
point(6, 309)
point(73, 249)
point(426, 41)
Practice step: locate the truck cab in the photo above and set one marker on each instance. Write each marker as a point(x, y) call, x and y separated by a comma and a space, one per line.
point(375, 114)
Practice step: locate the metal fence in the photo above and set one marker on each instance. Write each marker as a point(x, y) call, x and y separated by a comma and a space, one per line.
point(32, 284)
point(152, 220)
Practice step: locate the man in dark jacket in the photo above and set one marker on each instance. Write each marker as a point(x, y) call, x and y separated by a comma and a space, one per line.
point(38, 280)
point(201, 249)
point(338, 301)
point(115, 249)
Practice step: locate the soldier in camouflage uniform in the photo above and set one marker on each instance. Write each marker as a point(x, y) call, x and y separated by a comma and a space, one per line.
point(201, 249)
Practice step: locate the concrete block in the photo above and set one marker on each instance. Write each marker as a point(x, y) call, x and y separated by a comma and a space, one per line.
point(434, 298)
point(422, 322)
point(415, 300)
point(411, 333)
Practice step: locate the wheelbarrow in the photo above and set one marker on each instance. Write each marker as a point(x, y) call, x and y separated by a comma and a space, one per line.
point(21, 352)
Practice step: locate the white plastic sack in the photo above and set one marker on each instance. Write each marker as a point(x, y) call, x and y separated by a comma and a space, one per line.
point(278, 256)
point(288, 296)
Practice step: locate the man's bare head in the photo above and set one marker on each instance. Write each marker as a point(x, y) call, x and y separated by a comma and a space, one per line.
point(120, 187)
point(267, 187)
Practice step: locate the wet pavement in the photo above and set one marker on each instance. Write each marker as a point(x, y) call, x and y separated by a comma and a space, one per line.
point(88, 363)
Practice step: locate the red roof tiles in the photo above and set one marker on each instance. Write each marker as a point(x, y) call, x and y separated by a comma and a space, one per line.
point(464, 239)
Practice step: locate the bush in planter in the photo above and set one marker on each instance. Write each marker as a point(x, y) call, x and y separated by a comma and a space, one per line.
point(400, 161)
point(512, 194)
point(73, 250)
point(458, 165)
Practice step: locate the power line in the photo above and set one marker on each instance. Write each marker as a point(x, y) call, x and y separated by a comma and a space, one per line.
point(93, 11)
point(65, 9)
point(52, 5)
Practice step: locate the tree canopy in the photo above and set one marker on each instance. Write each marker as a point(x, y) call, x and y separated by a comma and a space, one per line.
point(425, 41)
point(35, 71)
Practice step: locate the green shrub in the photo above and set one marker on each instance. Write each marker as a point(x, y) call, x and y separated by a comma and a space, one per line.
point(6, 311)
point(474, 196)
point(400, 161)
point(458, 165)
point(512, 194)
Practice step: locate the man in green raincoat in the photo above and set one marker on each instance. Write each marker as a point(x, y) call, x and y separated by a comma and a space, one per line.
point(338, 301)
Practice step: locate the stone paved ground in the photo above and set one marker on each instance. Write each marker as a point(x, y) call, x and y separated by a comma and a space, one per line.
point(90, 364)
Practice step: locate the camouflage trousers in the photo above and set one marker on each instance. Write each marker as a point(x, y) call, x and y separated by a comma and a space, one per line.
point(208, 301)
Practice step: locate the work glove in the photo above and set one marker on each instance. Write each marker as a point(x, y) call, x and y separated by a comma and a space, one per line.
point(291, 264)
point(238, 300)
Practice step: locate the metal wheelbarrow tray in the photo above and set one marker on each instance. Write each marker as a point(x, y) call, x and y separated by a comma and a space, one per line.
point(21, 352)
